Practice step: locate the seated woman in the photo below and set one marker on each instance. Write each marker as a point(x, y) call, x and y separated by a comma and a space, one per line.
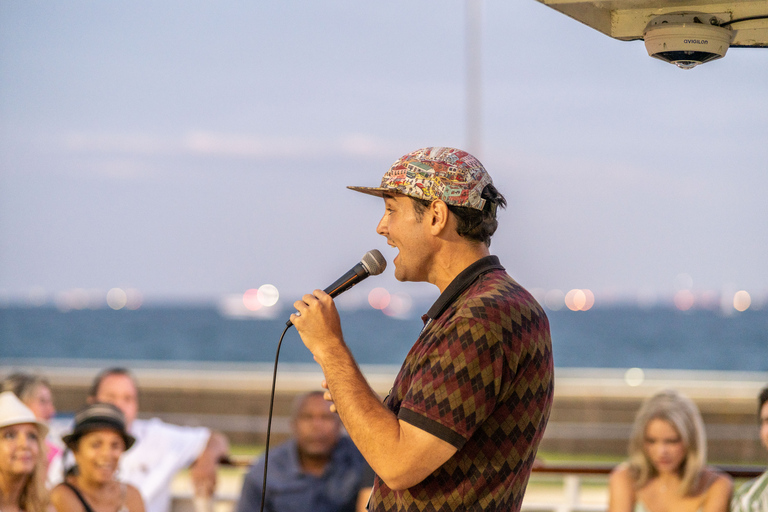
point(97, 441)
point(22, 457)
point(667, 470)
point(35, 392)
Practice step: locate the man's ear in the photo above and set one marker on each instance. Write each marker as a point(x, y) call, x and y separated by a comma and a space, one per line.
point(439, 211)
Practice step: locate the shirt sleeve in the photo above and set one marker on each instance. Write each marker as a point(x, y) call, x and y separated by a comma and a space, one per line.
point(161, 450)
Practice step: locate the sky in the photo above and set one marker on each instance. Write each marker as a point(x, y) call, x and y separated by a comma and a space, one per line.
point(194, 150)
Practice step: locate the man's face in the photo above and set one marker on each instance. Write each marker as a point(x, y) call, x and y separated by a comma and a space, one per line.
point(403, 230)
point(316, 427)
point(764, 424)
point(120, 391)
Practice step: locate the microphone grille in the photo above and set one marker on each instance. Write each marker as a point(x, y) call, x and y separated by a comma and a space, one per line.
point(374, 262)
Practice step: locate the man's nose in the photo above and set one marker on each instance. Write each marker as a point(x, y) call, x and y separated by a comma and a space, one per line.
point(381, 228)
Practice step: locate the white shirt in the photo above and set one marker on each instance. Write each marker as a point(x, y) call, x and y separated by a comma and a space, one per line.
point(161, 450)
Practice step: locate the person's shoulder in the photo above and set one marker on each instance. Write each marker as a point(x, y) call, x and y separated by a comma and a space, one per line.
point(132, 490)
point(750, 491)
point(498, 289)
point(133, 498)
point(280, 459)
point(64, 499)
point(716, 483)
point(759, 481)
point(621, 475)
point(621, 488)
point(713, 476)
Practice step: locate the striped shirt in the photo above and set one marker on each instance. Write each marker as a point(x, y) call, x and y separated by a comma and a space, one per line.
point(752, 496)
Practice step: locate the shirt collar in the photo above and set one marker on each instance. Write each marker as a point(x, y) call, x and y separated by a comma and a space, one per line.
point(461, 282)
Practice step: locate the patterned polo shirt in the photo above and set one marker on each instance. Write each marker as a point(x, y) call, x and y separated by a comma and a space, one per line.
point(480, 376)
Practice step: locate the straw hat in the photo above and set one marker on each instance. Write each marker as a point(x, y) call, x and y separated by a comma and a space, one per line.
point(14, 412)
point(98, 416)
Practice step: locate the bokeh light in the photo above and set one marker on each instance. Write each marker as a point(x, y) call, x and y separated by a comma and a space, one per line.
point(251, 300)
point(579, 299)
point(741, 300)
point(554, 300)
point(634, 377)
point(399, 306)
point(684, 300)
point(117, 298)
point(134, 299)
point(683, 282)
point(79, 299)
point(379, 298)
point(268, 295)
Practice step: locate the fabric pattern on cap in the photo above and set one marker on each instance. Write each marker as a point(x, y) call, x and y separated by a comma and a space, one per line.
point(448, 174)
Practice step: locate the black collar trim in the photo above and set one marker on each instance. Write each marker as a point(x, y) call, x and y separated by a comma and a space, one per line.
point(461, 282)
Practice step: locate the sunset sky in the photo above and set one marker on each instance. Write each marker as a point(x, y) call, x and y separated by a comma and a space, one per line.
point(191, 150)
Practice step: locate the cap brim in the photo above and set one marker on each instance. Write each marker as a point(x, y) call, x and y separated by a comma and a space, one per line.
point(71, 439)
point(372, 191)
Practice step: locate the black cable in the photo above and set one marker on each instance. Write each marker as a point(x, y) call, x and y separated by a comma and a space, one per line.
point(739, 20)
point(269, 417)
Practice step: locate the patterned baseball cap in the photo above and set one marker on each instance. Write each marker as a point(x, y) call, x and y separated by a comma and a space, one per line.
point(451, 175)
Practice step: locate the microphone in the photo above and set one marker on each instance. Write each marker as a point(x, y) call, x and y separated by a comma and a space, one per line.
point(372, 264)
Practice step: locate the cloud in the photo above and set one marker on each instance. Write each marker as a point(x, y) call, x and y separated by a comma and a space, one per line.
point(231, 145)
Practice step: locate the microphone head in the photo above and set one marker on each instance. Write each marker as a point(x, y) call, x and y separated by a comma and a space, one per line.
point(373, 262)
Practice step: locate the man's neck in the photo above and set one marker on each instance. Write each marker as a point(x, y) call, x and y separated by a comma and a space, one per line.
point(314, 465)
point(453, 259)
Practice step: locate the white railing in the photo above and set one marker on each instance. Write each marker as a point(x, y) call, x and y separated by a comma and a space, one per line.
point(553, 488)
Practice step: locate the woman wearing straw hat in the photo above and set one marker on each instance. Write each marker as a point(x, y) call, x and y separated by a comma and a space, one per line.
point(34, 391)
point(97, 441)
point(22, 457)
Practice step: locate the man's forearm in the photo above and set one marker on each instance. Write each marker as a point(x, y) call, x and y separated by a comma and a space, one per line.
point(401, 454)
point(203, 471)
point(373, 428)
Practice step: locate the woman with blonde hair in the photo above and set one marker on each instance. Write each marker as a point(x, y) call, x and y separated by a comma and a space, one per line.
point(22, 457)
point(667, 467)
point(35, 392)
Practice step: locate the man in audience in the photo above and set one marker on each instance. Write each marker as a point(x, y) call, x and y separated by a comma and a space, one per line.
point(753, 495)
point(161, 449)
point(319, 470)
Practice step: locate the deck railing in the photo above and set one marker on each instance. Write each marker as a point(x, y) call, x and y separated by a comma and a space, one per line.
point(567, 497)
point(570, 496)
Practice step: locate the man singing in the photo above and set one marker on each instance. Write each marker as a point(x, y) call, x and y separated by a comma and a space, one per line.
point(461, 426)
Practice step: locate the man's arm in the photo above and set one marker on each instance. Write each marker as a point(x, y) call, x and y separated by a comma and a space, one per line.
point(401, 454)
point(203, 470)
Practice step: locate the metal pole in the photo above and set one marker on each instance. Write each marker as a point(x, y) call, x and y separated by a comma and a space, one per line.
point(474, 104)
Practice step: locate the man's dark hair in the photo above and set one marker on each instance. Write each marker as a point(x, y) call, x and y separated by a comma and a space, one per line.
point(761, 399)
point(106, 373)
point(476, 225)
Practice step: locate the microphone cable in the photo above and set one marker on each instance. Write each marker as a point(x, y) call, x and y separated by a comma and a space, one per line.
point(269, 419)
point(372, 264)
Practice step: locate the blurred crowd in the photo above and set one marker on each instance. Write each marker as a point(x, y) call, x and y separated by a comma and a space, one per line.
point(107, 459)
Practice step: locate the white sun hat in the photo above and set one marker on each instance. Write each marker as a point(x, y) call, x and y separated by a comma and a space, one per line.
point(14, 412)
